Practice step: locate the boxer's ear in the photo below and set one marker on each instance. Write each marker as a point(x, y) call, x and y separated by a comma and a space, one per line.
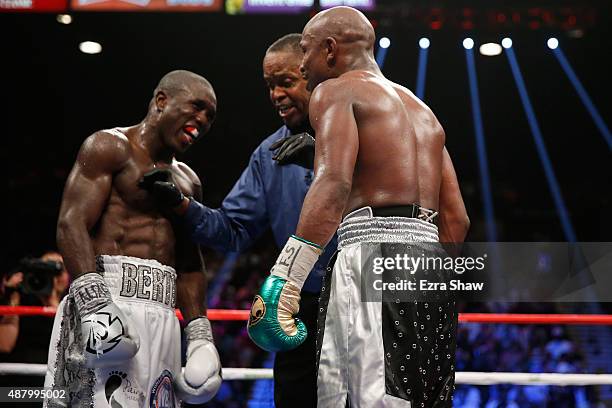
point(160, 100)
point(331, 49)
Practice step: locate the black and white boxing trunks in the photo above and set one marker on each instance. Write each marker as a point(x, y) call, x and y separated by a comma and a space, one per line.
point(391, 353)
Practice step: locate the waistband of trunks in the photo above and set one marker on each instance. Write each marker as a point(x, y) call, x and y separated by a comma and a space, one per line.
point(362, 226)
point(140, 280)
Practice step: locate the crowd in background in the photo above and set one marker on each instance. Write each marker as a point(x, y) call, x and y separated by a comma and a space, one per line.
point(520, 348)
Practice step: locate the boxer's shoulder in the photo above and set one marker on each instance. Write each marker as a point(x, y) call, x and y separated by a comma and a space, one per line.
point(327, 88)
point(105, 149)
point(183, 170)
point(187, 176)
point(334, 92)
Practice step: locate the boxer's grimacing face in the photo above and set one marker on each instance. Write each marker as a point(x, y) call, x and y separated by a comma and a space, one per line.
point(186, 116)
point(288, 94)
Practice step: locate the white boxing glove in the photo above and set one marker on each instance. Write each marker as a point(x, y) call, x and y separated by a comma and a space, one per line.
point(201, 377)
point(107, 335)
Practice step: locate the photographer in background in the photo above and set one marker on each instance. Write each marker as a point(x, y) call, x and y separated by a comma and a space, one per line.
point(36, 282)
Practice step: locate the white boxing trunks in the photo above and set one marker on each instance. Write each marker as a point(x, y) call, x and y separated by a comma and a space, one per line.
point(145, 291)
point(381, 354)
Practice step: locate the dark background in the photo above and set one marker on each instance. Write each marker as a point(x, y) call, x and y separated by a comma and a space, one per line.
point(54, 96)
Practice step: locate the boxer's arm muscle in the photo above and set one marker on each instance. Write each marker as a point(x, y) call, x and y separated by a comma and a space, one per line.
point(191, 282)
point(85, 195)
point(453, 220)
point(336, 146)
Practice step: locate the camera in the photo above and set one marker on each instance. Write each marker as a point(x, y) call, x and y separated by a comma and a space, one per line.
point(38, 276)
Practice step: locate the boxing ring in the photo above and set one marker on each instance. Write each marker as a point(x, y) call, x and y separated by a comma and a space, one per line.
point(462, 377)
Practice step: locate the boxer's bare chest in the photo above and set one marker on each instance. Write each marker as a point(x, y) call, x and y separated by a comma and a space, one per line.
point(131, 223)
point(125, 182)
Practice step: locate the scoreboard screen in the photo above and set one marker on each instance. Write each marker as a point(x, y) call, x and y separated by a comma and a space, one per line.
point(147, 5)
point(50, 6)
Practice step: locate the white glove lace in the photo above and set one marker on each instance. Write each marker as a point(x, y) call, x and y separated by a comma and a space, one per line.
point(199, 328)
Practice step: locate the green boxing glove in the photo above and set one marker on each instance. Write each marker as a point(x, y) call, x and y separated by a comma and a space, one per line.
point(272, 325)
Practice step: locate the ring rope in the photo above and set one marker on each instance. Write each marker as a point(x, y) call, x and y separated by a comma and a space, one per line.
point(511, 318)
point(463, 377)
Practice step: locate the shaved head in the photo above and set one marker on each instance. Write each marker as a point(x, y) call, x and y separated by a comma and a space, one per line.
point(183, 108)
point(347, 25)
point(336, 41)
point(180, 80)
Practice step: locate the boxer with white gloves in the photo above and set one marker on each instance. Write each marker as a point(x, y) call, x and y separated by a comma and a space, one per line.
point(201, 377)
point(116, 340)
point(105, 343)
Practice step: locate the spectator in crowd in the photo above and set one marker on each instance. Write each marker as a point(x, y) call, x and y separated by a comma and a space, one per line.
point(38, 282)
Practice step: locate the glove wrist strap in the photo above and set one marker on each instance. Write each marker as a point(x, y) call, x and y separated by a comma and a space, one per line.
point(199, 329)
point(296, 260)
point(90, 293)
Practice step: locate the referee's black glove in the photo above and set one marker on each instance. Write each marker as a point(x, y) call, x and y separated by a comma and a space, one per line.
point(295, 149)
point(159, 183)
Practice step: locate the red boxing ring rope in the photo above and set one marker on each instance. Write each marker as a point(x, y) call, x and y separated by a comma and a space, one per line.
point(507, 318)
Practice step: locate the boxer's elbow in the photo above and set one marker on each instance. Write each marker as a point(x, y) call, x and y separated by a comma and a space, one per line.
point(63, 230)
point(342, 189)
point(339, 191)
point(338, 186)
point(454, 228)
point(465, 225)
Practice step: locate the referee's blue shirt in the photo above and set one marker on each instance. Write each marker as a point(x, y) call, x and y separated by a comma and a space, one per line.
point(265, 195)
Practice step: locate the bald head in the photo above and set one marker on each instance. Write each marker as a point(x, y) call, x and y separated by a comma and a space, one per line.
point(176, 81)
point(347, 25)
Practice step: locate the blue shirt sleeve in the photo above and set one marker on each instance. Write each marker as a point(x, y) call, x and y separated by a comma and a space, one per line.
point(243, 215)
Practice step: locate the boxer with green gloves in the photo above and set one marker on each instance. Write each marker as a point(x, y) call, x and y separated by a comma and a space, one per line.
point(271, 324)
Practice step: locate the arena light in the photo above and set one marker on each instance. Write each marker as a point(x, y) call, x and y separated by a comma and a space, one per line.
point(383, 45)
point(552, 43)
point(490, 49)
point(468, 43)
point(582, 93)
point(481, 148)
point(90, 47)
point(506, 43)
point(422, 70)
point(64, 18)
point(536, 133)
point(424, 43)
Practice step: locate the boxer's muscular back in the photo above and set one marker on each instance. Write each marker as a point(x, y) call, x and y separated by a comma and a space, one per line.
point(400, 145)
point(126, 221)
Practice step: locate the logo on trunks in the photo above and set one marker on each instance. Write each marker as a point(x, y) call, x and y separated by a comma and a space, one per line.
point(103, 325)
point(162, 393)
point(148, 283)
point(258, 311)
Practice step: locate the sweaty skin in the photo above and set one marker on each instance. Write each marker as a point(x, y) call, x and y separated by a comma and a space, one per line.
point(104, 211)
point(377, 144)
